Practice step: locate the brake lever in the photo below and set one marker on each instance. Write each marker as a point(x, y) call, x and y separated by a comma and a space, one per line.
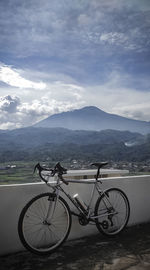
point(60, 169)
point(37, 166)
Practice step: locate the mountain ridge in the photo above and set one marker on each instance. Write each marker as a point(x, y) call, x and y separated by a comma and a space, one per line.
point(93, 118)
point(63, 144)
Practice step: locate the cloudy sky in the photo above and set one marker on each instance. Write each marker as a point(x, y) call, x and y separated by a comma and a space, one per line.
point(59, 55)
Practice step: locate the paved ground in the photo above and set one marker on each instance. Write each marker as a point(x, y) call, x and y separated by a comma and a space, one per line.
point(129, 251)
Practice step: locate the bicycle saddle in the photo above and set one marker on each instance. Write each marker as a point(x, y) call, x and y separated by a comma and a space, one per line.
point(99, 164)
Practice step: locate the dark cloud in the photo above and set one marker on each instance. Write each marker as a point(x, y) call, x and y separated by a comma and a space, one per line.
point(89, 43)
point(61, 27)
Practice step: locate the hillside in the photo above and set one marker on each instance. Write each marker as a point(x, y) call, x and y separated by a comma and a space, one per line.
point(92, 118)
point(59, 144)
point(32, 137)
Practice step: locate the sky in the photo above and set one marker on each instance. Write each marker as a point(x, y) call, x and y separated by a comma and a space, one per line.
point(63, 55)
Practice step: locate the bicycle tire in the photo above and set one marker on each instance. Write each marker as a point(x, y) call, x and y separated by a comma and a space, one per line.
point(35, 235)
point(115, 208)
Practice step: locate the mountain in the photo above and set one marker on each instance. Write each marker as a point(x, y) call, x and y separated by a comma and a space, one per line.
point(92, 118)
point(32, 137)
point(59, 144)
point(84, 141)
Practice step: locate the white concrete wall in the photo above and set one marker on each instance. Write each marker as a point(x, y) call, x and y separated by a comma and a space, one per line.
point(14, 197)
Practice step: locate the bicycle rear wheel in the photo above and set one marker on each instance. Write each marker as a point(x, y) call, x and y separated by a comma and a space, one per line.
point(39, 234)
point(113, 211)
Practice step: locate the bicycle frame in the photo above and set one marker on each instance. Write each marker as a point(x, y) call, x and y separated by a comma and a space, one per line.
point(86, 214)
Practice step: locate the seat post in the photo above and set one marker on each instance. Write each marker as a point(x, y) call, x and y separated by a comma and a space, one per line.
point(99, 165)
point(98, 172)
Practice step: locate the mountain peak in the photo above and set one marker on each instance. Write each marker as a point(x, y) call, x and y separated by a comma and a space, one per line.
point(93, 118)
point(91, 108)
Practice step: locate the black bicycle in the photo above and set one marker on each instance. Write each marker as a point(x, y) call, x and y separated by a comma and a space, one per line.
point(45, 222)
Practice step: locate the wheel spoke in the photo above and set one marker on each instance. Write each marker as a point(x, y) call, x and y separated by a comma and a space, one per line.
point(43, 236)
point(112, 210)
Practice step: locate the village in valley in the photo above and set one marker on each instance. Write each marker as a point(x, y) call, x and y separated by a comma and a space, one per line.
point(22, 172)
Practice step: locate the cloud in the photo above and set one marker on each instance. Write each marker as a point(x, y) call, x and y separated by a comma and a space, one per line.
point(62, 91)
point(12, 77)
point(57, 97)
point(139, 110)
point(80, 39)
point(52, 28)
point(75, 53)
point(134, 39)
point(113, 96)
point(9, 104)
point(114, 38)
point(9, 125)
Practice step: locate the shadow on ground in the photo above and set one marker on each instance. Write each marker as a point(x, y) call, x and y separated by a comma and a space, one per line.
point(130, 250)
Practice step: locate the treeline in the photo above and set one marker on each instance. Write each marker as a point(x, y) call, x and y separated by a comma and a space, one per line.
point(60, 144)
point(91, 152)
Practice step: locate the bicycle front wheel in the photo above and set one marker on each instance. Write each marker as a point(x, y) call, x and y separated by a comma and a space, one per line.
point(40, 232)
point(112, 210)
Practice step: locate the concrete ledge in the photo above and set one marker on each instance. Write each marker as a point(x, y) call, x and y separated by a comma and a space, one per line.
point(14, 197)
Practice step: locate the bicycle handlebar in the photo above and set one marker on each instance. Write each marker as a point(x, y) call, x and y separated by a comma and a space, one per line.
point(61, 170)
point(57, 169)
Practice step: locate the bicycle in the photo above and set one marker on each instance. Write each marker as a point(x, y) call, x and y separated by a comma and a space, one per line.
point(45, 222)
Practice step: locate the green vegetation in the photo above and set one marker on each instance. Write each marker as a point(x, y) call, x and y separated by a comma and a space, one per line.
point(17, 172)
point(21, 149)
point(22, 172)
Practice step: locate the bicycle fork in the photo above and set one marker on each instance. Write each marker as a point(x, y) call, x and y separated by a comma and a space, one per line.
point(51, 208)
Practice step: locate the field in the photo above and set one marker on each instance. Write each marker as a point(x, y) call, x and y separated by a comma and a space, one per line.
point(17, 173)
